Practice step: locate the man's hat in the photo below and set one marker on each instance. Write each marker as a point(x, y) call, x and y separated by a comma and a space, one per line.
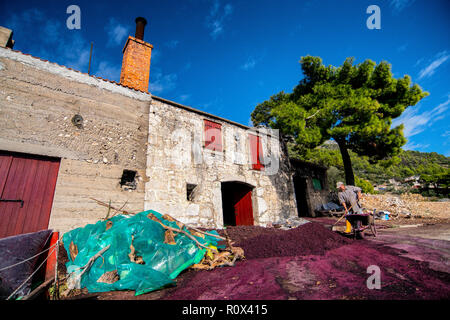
point(338, 184)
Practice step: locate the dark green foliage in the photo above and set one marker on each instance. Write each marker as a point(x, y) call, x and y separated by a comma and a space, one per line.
point(433, 168)
point(365, 185)
point(437, 179)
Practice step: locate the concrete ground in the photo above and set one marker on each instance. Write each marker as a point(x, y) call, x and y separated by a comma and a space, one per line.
point(428, 243)
point(417, 239)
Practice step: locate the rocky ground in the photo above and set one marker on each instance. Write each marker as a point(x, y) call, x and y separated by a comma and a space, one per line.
point(408, 206)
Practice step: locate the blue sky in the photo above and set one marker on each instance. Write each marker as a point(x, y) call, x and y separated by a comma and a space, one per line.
point(225, 57)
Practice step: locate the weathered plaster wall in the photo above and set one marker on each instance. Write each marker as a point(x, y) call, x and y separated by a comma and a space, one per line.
point(37, 102)
point(316, 197)
point(176, 156)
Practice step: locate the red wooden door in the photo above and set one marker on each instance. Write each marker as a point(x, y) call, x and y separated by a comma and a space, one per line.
point(31, 179)
point(243, 207)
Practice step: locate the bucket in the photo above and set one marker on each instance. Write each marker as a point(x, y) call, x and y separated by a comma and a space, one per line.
point(385, 215)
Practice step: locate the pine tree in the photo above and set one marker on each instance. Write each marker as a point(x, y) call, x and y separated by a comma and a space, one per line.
point(352, 104)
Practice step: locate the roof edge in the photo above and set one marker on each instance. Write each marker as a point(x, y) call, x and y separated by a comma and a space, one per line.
point(73, 74)
point(206, 114)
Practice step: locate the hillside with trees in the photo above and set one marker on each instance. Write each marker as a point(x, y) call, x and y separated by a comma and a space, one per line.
point(431, 168)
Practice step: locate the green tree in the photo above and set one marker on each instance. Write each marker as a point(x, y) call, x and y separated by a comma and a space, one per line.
point(352, 104)
point(437, 180)
point(365, 185)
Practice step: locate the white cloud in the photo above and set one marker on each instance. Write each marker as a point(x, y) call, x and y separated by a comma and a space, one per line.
point(162, 83)
point(76, 52)
point(402, 48)
point(116, 33)
point(216, 18)
point(215, 104)
point(19, 22)
point(184, 97)
point(52, 30)
point(431, 68)
point(172, 44)
point(156, 55)
point(415, 146)
point(418, 62)
point(249, 64)
point(252, 61)
point(415, 122)
point(296, 30)
point(228, 9)
point(108, 71)
point(49, 39)
point(399, 5)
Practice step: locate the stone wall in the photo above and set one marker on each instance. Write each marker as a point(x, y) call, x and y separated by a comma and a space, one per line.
point(124, 129)
point(6, 38)
point(314, 197)
point(38, 100)
point(177, 157)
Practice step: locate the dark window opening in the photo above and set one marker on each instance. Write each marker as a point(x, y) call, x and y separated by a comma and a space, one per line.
point(237, 204)
point(190, 188)
point(128, 180)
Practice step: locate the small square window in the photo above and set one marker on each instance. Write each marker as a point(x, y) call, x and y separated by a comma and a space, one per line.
point(190, 191)
point(128, 179)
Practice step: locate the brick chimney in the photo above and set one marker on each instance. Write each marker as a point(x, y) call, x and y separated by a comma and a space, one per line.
point(136, 59)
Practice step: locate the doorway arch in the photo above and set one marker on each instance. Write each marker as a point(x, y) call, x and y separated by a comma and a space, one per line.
point(237, 205)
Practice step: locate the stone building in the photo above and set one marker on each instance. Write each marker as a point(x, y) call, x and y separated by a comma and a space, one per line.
point(311, 186)
point(68, 137)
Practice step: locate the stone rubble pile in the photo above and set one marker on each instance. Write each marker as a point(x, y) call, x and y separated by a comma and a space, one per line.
point(393, 204)
point(406, 205)
point(288, 223)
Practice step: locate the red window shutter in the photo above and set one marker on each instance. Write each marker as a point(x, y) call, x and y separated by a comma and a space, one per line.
point(256, 152)
point(213, 135)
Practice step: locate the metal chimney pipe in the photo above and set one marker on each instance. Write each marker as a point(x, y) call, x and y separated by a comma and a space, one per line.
point(140, 26)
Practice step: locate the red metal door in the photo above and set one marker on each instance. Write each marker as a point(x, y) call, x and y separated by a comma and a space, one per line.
point(31, 179)
point(243, 207)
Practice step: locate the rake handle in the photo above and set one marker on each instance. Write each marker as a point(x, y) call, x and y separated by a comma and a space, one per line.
point(342, 215)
